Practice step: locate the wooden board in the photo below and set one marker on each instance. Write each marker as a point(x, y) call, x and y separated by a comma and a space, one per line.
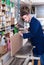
point(25, 50)
point(17, 61)
point(16, 43)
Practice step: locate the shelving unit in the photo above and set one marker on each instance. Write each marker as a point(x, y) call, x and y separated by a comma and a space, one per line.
point(6, 20)
point(6, 15)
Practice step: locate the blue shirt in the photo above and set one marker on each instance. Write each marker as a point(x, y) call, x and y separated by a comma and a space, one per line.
point(36, 35)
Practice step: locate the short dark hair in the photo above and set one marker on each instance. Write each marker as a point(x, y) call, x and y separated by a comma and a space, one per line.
point(24, 10)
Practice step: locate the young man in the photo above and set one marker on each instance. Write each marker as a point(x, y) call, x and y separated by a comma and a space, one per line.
point(35, 34)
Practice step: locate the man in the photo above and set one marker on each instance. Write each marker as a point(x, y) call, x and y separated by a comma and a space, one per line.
point(35, 34)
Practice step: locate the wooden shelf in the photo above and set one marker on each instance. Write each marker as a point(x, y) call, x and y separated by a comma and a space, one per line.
point(5, 57)
point(3, 5)
point(4, 8)
point(33, 2)
point(9, 61)
point(1, 14)
point(36, 3)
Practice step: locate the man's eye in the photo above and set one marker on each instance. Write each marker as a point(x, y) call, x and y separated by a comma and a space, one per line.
point(22, 19)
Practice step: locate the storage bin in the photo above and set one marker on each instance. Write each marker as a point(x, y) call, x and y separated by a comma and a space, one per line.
point(3, 49)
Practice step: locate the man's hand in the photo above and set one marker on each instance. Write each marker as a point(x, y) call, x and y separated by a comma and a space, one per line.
point(21, 33)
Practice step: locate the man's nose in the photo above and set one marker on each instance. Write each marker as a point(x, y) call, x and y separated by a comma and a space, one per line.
point(25, 20)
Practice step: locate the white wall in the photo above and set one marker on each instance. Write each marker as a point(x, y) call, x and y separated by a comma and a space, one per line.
point(40, 11)
point(37, 0)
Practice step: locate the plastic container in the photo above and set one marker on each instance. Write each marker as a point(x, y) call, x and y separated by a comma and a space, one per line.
point(3, 1)
point(15, 30)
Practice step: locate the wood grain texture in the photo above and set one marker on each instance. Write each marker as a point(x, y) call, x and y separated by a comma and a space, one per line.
point(16, 43)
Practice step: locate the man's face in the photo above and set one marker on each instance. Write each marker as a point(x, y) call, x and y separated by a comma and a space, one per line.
point(26, 18)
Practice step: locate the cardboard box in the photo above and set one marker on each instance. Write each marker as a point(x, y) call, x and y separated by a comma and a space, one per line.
point(12, 21)
point(0, 24)
point(0, 19)
point(0, 0)
point(3, 49)
point(0, 4)
point(16, 43)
